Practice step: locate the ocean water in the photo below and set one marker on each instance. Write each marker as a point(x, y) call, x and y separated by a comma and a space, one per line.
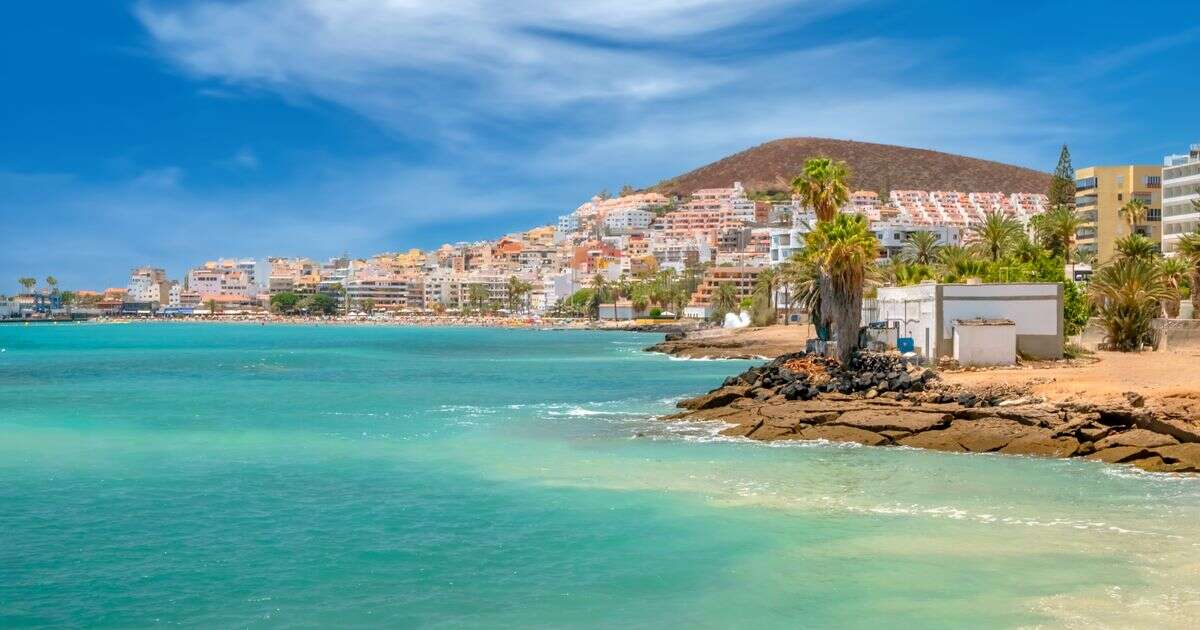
point(248, 476)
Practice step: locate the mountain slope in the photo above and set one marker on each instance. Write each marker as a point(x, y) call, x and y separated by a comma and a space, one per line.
point(878, 167)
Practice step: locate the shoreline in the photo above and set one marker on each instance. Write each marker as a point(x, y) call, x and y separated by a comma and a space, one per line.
point(652, 326)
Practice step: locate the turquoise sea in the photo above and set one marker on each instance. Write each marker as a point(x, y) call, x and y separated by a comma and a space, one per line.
point(232, 476)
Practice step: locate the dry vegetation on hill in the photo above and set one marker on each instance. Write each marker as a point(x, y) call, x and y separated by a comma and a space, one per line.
point(878, 167)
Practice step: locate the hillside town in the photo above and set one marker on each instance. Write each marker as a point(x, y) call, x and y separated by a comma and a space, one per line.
point(702, 241)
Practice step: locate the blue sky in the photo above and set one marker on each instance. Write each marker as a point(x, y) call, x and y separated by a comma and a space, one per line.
point(169, 133)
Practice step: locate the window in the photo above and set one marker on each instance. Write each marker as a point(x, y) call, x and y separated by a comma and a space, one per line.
point(1152, 181)
point(1085, 183)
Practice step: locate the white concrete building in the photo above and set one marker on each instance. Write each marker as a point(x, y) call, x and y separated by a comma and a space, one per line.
point(926, 313)
point(148, 285)
point(983, 342)
point(628, 219)
point(1180, 187)
point(893, 235)
point(568, 223)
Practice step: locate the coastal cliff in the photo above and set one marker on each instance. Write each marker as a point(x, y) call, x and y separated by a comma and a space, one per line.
point(888, 402)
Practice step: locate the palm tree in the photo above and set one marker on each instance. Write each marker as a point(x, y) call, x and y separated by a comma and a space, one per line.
point(52, 282)
point(996, 234)
point(1174, 270)
point(212, 305)
point(800, 282)
point(679, 298)
point(1056, 230)
point(765, 283)
point(822, 187)
point(1134, 212)
point(725, 300)
point(922, 248)
point(478, 297)
point(27, 284)
point(1189, 249)
point(1135, 246)
point(842, 249)
point(902, 274)
point(516, 290)
point(1127, 294)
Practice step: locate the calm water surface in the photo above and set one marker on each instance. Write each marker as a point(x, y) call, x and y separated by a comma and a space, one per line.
point(226, 475)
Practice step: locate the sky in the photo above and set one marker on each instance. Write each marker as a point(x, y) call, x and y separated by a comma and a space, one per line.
point(169, 133)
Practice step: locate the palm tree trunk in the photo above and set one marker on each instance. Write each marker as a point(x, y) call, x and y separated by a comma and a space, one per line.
point(842, 309)
point(1196, 292)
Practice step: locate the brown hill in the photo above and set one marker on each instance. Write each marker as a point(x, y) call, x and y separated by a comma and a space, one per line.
point(772, 166)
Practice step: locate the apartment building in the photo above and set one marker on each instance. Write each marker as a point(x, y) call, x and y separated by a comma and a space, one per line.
point(1180, 194)
point(628, 219)
point(1101, 191)
point(741, 278)
point(148, 285)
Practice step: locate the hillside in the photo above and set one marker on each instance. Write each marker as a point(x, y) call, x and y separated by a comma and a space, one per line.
point(878, 167)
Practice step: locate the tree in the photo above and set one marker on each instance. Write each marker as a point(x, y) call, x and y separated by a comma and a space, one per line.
point(1189, 248)
point(478, 298)
point(213, 306)
point(1174, 270)
point(725, 300)
point(902, 274)
point(627, 190)
point(1056, 230)
point(1136, 246)
point(823, 187)
point(320, 303)
point(842, 249)
point(801, 288)
point(52, 283)
point(27, 284)
point(1134, 212)
point(1127, 294)
point(996, 234)
point(765, 283)
point(921, 248)
point(284, 302)
point(67, 299)
point(516, 290)
point(367, 305)
point(1076, 309)
point(1062, 184)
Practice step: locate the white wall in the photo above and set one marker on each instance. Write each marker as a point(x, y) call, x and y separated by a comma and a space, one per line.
point(985, 345)
point(913, 308)
point(1034, 307)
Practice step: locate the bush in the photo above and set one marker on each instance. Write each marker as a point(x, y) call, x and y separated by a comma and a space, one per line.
point(655, 313)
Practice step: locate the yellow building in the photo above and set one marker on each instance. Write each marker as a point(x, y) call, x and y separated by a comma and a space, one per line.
point(1101, 191)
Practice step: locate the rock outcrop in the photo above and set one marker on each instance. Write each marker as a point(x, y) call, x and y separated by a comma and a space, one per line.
point(798, 397)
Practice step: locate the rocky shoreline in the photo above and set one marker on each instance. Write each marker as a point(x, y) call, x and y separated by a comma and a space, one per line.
point(883, 400)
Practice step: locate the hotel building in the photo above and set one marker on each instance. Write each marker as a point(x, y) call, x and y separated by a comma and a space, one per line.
point(1180, 192)
point(1101, 191)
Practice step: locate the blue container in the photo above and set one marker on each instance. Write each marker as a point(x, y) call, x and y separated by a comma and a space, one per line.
point(905, 344)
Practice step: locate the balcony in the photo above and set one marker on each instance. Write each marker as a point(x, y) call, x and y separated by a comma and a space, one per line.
point(1086, 200)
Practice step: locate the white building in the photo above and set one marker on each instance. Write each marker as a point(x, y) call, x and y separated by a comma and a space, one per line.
point(892, 236)
point(925, 313)
point(148, 285)
point(1180, 187)
point(568, 223)
point(628, 219)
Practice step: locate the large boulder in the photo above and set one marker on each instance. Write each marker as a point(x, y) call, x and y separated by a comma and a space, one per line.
point(897, 419)
point(942, 440)
point(835, 433)
point(1136, 437)
point(717, 398)
point(1042, 442)
point(1119, 454)
point(1188, 454)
